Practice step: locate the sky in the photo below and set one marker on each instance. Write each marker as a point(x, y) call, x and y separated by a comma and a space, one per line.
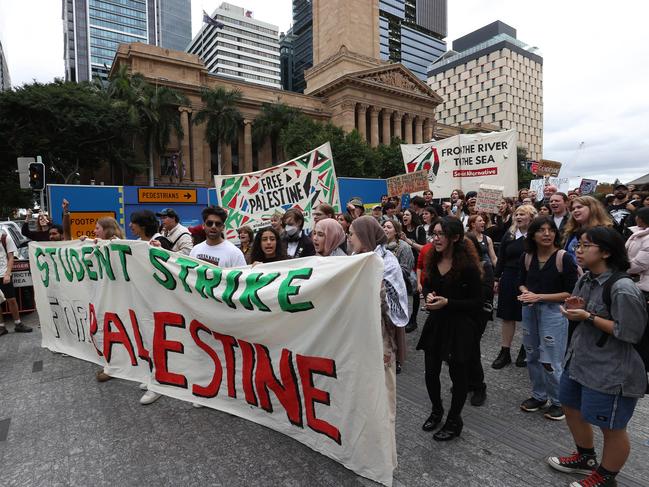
point(595, 67)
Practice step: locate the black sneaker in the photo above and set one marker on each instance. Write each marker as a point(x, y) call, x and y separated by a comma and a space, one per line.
point(595, 479)
point(555, 413)
point(532, 405)
point(503, 359)
point(479, 397)
point(410, 327)
point(575, 463)
point(520, 359)
point(20, 328)
point(3, 331)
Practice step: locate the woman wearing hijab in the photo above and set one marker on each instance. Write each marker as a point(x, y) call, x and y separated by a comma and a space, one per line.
point(366, 235)
point(328, 238)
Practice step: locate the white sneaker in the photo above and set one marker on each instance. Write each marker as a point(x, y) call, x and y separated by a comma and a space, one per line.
point(149, 397)
point(197, 406)
point(143, 387)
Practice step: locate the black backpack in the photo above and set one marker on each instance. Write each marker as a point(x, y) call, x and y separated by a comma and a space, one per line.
point(167, 244)
point(642, 347)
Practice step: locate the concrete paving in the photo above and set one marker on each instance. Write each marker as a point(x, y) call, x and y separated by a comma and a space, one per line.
point(59, 427)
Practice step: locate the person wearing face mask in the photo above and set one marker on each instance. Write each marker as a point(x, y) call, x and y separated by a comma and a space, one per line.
point(298, 244)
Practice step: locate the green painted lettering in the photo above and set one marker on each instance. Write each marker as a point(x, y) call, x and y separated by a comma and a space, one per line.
point(231, 286)
point(254, 283)
point(123, 250)
point(78, 269)
point(185, 264)
point(51, 251)
point(158, 257)
point(287, 289)
point(103, 259)
point(85, 251)
point(42, 266)
point(63, 257)
point(205, 285)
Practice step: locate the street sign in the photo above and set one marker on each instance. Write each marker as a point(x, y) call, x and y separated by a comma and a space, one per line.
point(20, 274)
point(83, 222)
point(23, 171)
point(167, 195)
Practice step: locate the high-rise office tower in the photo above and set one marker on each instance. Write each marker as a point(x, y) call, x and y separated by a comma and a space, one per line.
point(240, 46)
point(492, 77)
point(412, 32)
point(92, 30)
point(5, 80)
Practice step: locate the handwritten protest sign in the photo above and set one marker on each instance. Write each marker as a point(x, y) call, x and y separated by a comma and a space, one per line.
point(545, 167)
point(303, 183)
point(466, 161)
point(489, 198)
point(408, 183)
point(588, 186)
point(261, 343)
point(562, 185)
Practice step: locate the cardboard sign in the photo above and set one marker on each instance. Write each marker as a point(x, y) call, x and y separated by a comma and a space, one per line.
point(547, 168)
point(562, 184)
point(83, 222)
point(260, 343)
point(167, 195)
point(588, 186)
point(408, 183)
point(20, 274)
point(489, 198)
point(466, 161)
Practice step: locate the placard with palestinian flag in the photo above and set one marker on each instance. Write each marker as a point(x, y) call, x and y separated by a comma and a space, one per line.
point(466, 161)
point(303, 183)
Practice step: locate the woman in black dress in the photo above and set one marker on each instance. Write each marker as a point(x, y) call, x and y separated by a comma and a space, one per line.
point(509, 311)
point(452, 288)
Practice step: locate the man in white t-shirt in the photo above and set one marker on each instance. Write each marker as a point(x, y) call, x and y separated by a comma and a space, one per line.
point(7, 251)
point(215, 249)
point(559, 207)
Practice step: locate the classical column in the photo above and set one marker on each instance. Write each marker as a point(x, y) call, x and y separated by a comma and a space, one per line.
point(374, 126)
point(396, 124)
point(385, 114)
point(347, 115)
point(428, 130)
point(265, 154)
point(247, 145)
point(362, 120)
point(186, 155)
point(408, 126)
point(226, 159)
point(419, 129)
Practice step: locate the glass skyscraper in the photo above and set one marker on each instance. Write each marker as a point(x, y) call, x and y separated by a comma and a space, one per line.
point(94, 28)
point(412, 32)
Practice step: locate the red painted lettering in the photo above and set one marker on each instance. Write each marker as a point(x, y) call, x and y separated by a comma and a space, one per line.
point(161, 346)
point(212, 389)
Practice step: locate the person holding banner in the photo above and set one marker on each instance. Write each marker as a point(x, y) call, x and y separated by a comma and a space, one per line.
point(215, 249)
point(329, 238)
point(366, 235)
point(267, 247)
point(452, 289)
point(298, 244)
point(507, 270)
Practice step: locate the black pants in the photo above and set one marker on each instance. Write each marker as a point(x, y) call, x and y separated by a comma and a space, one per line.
point(415, 306)
point(475, 371)
point(459, 377)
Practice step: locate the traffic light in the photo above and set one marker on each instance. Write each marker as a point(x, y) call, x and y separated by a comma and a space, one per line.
point(37, 176)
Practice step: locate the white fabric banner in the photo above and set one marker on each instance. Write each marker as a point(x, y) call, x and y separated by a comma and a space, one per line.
point(295, 346)
point(466, 161)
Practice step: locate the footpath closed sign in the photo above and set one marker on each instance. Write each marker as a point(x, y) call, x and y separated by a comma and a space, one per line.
point(260, 343)
point(167, 195)
point(83, 222)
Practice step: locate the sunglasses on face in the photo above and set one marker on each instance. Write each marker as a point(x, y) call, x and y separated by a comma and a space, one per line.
point(212, 223)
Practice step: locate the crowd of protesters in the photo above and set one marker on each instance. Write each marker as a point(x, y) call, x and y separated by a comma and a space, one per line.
point(572, 270)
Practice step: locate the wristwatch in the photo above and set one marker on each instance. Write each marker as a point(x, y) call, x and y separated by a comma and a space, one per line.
point(591, 319)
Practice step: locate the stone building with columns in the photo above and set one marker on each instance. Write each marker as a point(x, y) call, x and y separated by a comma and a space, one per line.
point(348, 85)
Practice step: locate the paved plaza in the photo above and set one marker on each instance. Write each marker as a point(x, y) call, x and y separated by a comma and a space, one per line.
point(59, 427)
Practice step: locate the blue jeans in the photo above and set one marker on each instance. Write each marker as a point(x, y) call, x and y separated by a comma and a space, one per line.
point(545, 337)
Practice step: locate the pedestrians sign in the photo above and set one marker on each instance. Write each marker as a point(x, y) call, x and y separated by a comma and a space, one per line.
point(167, 195)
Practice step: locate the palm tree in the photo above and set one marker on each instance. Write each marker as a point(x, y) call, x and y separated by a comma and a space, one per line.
point(270, 122)
point(223, 119)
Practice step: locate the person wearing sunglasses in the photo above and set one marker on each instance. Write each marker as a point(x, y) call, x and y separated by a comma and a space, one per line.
point(215, 249)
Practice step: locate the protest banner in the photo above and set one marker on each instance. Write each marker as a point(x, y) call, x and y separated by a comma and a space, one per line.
point(588, 186)
point(408, 183)
point(489, 198)
point(285, 345)
point(466, 161)
point(303, 183)
point(562, 185)
point(545, 167)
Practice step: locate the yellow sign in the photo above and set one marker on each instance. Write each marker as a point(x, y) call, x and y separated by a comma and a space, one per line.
point(83, 222)
point(166, 195)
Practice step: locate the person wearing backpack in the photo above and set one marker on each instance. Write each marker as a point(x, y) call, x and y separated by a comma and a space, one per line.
point(178, 236)
point(547, 277)
point(604, 375)
point(7, 290)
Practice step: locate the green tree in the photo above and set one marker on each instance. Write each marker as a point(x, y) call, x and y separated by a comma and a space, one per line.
point(524, 174)
point(390, 160)
point(223, 119)
point(269, 123)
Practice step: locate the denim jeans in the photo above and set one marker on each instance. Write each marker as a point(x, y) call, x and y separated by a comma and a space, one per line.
point(545, 337)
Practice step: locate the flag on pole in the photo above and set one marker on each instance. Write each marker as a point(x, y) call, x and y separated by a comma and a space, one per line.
point(210, 21)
